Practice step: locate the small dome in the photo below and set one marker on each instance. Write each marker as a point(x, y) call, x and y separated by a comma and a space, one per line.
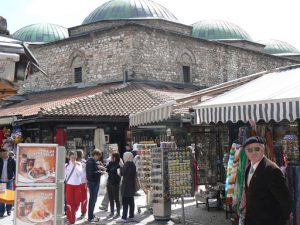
point(219, 30)
point(276, 47)
point(41, 33)
point(129, 9)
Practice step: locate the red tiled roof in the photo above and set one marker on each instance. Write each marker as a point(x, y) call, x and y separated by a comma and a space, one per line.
point(121, 101)
point(105, 100)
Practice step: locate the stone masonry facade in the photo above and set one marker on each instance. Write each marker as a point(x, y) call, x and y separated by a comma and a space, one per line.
point(146, 53)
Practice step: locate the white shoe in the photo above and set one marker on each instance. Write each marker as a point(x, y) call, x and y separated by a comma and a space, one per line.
point(121, 220)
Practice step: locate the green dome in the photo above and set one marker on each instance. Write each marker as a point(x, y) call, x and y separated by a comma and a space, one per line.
point(41, 33)
point(276, 47)
point(129, 9)
point(219, 30)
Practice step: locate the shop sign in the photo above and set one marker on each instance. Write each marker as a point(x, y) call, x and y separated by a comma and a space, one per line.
point(36, 164)
point(35, 205)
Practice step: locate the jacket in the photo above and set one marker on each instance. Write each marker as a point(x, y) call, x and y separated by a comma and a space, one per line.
point(268, 201)
point(93, 174)
point(128, 184)
point(112, 170)
point(11, 168)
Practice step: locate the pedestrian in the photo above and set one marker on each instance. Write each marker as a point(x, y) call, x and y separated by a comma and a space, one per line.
point(128, 172)
point(73, 177)
point(7, 173)
point(105, 201)
point(113, 184)
point(268, 201)
point(83, 185)
point(93, 173)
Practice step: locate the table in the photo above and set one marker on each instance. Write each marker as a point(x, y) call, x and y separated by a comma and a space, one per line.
point(7, 197)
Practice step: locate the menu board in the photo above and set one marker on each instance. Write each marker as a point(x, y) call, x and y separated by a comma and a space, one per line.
point(36, 164)
point(35, 206)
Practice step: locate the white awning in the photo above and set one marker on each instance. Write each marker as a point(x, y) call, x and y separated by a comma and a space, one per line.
point(274, 96)
point(7, 120)
point(155, 114)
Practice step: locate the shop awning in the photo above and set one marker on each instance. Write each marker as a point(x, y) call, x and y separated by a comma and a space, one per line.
point(7, 120)
point(274, 96)
point(155, 114)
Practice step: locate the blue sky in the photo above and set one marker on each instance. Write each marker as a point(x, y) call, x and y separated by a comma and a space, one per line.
point(262, 19)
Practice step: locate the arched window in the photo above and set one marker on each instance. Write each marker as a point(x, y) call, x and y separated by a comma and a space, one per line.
point(186, 59)
point(77, 64)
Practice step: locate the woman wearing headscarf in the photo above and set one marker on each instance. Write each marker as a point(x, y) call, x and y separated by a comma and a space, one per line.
point(128, 186)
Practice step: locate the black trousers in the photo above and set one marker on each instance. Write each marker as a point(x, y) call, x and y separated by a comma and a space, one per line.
point(128, 201)
point(113, 196)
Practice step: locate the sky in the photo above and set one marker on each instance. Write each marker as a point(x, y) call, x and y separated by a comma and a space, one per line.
point(262, 19)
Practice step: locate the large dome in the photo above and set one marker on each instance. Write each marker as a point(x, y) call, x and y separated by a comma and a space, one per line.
point(276, 47)
point(129, 9)
point(219, 30)
point(41, 33)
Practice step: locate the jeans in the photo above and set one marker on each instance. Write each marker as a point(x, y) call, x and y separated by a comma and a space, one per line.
point(113, 195)
point(128, 201)
point(93, 188)
point(9, 185)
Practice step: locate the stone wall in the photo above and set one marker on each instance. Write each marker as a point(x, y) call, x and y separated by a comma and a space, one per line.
point(146, 53)
point(161, 55)
point(104, 57)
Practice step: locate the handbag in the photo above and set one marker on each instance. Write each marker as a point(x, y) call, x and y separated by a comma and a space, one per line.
point(137, 185)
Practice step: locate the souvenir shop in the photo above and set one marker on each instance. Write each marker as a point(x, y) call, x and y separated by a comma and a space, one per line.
point(273, 114)
point(85, 135)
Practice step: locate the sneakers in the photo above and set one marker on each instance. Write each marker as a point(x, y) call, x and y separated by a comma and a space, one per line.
point(95, 219)
point(121, 220)
point(110, 215)
point(116, 216)
point(103, 208)
point(82, 216)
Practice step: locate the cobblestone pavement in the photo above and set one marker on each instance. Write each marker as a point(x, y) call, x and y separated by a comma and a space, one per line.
point(193, 215)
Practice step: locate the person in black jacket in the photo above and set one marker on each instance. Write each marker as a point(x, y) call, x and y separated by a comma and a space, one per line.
point(93, 173)
point(113, 184)
point(128, 187)
point(7, 175)
point(268, 201)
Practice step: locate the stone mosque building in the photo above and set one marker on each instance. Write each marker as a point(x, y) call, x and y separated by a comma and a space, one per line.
point(142, 40)
point(127, 56)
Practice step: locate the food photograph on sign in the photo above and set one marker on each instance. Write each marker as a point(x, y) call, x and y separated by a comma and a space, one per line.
point(35, 206)
point(36, 164)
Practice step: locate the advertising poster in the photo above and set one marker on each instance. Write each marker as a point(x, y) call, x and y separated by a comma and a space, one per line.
point(35, 206)
point(36, 164)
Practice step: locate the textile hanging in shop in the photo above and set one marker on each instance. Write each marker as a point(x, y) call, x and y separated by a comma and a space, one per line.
point(61, 136)
point(232, 170)
point(99, 139)
point(243, 162)
point(1, 137)
point(293, 176)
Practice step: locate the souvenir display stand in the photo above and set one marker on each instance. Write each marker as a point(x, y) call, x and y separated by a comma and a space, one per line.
point(161, 201)
point(144, 171)
point(171, 178)
point(39, 196)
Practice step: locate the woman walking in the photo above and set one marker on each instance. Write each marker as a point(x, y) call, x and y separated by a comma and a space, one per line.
point(128, 187)
point(113, 184)
point(83, 185)
point(73, 171)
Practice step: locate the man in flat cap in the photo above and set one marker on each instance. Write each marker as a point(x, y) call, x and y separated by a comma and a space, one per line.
point(268, 200)
point(7, 174)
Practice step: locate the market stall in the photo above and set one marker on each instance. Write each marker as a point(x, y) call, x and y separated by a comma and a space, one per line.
point(272, 112)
